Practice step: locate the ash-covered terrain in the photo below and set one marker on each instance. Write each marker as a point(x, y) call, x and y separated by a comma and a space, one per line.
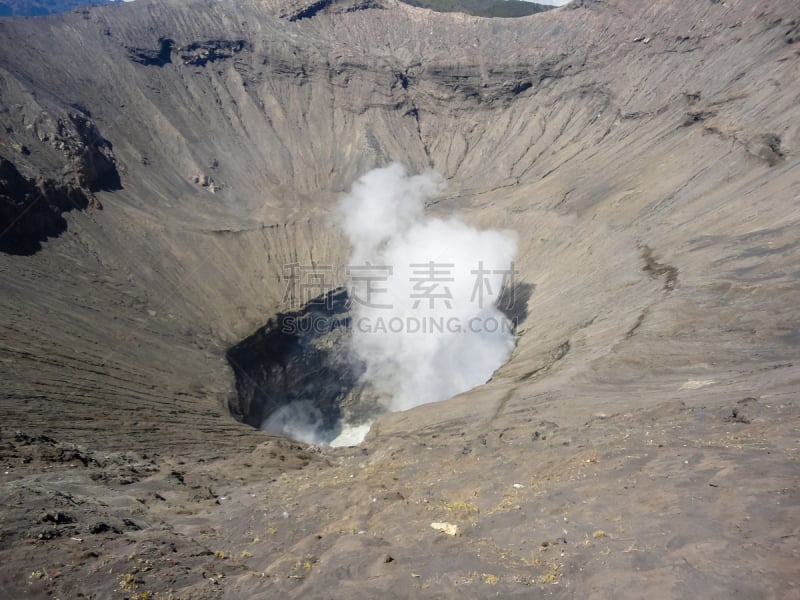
point(163, 162)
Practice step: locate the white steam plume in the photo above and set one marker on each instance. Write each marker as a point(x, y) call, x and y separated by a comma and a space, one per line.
point(299, 420)
point(423, 291)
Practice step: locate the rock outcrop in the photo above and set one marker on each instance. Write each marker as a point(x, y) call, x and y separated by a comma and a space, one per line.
point(53, 159)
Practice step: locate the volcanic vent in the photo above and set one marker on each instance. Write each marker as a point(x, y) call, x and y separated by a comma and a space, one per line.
point(418, 323)
point(295, 375)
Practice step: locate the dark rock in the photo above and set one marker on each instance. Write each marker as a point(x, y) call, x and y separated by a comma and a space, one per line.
point(57, 518)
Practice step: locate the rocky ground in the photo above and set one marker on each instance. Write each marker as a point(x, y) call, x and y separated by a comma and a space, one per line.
point(670, 501)
point(162, 163)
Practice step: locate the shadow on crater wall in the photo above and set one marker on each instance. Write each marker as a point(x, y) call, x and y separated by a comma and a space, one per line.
point(301, 358)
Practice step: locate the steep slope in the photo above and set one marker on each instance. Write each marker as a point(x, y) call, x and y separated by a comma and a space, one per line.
point(482, 8)
point(645, 154)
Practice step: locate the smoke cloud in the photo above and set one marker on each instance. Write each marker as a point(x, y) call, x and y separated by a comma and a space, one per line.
point(300, 421)
point(423, 295)
point(424, 291)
